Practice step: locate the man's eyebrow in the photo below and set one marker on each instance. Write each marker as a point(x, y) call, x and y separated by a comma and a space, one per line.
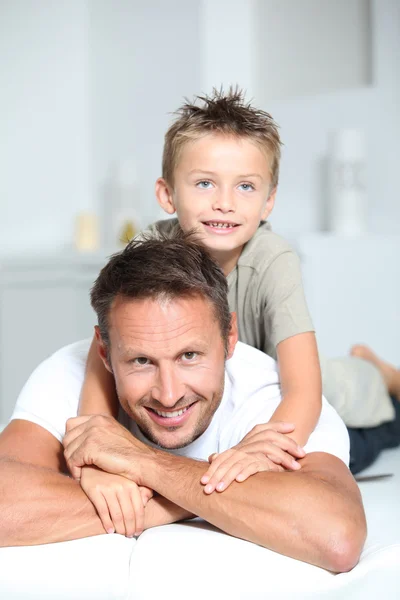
point(195, 346)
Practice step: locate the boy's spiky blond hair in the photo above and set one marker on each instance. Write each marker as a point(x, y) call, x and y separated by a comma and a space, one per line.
point(226, 113)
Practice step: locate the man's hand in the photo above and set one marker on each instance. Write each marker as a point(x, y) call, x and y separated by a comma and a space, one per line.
point(264, 448)
point(101, 441)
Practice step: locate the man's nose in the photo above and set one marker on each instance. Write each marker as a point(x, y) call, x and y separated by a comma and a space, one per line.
point(225, 201)
point(169, 387)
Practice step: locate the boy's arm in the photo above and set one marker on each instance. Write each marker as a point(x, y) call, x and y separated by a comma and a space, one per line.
point(301, 386)
point(98, 395)
point(39, 504)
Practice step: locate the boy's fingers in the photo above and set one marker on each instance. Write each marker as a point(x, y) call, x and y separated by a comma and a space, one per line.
point(127, 510)
point(219, 475)
point(267, 438)
point(254, 468)
point(278, 426)
point(280, 457)
point(116, 514)
point(215, 464)
point(101, 506)
point(233, 473)
point(138, 506)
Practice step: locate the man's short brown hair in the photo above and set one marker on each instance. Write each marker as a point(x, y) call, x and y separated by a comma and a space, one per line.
point(163, 266)
point(228, 114)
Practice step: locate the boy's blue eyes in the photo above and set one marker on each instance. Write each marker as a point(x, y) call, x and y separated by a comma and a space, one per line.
point(206, 185)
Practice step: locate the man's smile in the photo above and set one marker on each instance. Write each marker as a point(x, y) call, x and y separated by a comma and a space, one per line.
point(170, 418)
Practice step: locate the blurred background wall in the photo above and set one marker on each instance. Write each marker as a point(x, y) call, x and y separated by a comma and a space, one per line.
point(88, 85)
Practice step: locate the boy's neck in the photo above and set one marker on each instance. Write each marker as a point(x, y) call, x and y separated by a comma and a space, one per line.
point(227, 260)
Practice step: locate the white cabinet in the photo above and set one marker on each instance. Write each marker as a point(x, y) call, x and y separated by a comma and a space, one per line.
point(44, 304)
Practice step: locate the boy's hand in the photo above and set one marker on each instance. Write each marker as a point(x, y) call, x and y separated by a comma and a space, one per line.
point(119, 502)
point(264, 448)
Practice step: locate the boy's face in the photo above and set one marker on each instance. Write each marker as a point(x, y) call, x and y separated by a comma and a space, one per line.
point(222, 189)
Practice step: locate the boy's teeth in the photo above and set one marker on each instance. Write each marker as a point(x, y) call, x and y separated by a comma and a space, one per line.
point(175, 413)
point(221, 225)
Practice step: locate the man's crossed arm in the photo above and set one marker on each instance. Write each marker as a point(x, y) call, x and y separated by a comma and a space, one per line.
point(314, 515)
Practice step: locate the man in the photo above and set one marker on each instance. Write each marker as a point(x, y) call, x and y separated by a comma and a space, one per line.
point(165, 333)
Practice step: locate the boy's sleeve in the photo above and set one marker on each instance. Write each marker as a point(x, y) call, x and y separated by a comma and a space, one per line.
point(283, 300)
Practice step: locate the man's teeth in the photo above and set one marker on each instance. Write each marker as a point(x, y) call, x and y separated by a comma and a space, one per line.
point(175, 413)
point(222, 225)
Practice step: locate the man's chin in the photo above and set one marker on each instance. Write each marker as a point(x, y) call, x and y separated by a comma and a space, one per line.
point(171, 439)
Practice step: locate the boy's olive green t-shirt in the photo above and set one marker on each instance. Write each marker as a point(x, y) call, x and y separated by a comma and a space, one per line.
point(265, 289)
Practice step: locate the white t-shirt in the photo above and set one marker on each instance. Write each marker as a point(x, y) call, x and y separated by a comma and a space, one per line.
point(251, 395)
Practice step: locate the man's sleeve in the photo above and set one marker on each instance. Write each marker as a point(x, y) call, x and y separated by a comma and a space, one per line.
point(51, 394)
point(330, 435)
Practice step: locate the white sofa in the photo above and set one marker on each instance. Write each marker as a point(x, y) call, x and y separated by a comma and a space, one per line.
point(195, 561)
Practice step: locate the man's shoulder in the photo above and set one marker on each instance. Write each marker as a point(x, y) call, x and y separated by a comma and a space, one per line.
point(76, 352)
point(251, 367)
point(263, 248)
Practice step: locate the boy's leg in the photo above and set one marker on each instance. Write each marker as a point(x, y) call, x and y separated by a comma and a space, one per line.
point(390, 374)
point(367, 443)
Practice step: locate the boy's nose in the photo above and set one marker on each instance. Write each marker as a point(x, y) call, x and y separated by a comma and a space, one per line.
point(169, 387)
point(224, 202)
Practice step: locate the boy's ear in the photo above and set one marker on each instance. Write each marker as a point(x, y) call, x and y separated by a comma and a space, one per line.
point(232, 336)
point(269, 205)
point(164, 196)
point(102, 349)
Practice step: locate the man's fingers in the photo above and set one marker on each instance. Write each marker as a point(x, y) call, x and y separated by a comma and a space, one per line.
point(75, 456)
point(75, 421)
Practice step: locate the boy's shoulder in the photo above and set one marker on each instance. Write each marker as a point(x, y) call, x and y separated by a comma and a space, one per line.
point(263, 248)
point(166, 226)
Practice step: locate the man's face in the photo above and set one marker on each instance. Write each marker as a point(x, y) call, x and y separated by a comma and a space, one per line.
point(222, 188)
point(168, 360)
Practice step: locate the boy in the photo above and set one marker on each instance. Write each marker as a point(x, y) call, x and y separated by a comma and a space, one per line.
point(220, 176)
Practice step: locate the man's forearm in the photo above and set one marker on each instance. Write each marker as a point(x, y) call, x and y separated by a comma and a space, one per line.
point(295, 514)
point(41, 506)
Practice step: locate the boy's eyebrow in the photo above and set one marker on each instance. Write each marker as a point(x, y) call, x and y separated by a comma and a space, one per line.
point(200, 171)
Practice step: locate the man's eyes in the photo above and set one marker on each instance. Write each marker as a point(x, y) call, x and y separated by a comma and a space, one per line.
point(141, 360)
point(189, 356)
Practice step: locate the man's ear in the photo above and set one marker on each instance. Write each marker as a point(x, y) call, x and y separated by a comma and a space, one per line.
point(232, 336)
point(164, 196)
point(269, 205)
point(102, 349)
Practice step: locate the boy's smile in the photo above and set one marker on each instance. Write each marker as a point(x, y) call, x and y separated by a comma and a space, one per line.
point(221, 189)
